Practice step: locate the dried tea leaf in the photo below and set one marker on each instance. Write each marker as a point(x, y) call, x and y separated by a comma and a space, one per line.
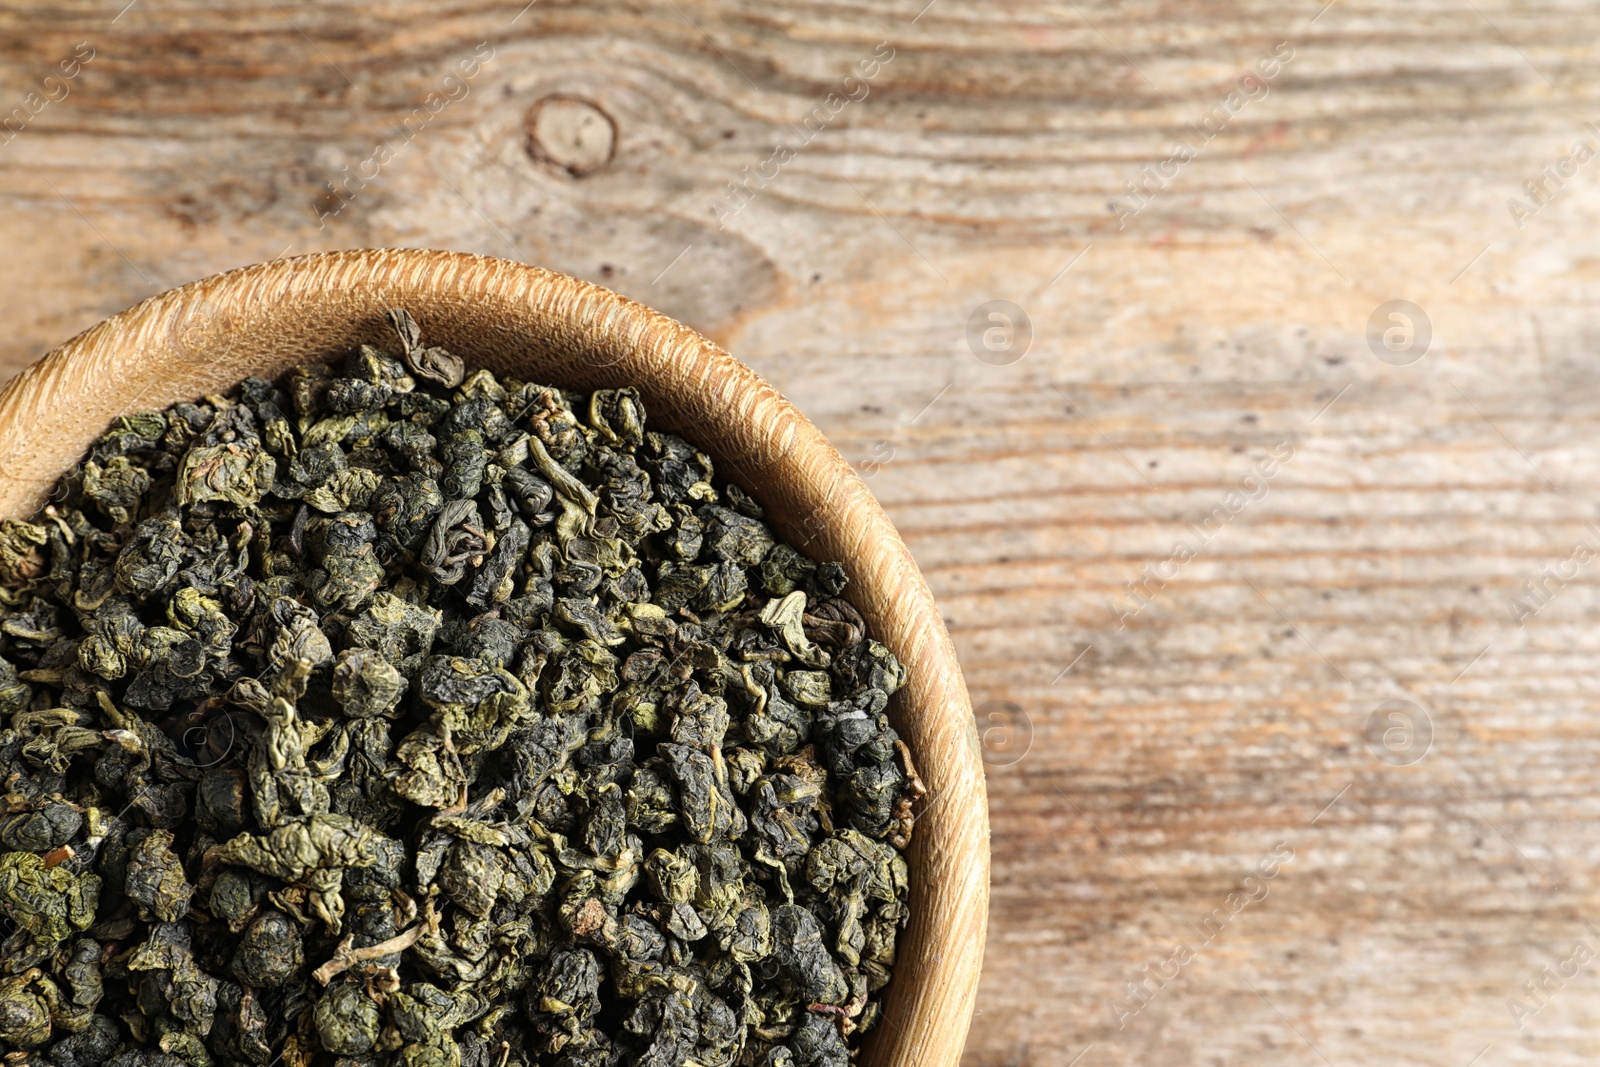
point(396, 714)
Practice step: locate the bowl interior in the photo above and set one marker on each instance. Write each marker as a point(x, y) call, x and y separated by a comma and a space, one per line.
point(542, 326)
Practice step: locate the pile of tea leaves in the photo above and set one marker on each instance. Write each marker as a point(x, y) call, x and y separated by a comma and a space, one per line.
point(400, 714)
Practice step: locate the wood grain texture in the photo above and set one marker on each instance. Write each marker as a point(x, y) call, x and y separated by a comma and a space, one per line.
point(513, 319)
point(1217, 322)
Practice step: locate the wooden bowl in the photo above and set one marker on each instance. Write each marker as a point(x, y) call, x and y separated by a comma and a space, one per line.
point(204, 337)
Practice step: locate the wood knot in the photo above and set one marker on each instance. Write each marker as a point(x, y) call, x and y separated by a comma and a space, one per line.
point(571, 133)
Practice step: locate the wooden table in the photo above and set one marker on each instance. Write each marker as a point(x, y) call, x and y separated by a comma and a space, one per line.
point(1329, 663)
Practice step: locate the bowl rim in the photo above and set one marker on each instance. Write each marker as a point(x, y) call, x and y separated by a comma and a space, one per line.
point(185, 342)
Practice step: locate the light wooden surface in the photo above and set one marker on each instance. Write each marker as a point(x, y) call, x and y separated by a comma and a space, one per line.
point(513, 319)
point(1220, 321)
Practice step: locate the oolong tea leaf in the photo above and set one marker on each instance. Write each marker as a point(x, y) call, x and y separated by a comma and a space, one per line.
point(398, 714)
